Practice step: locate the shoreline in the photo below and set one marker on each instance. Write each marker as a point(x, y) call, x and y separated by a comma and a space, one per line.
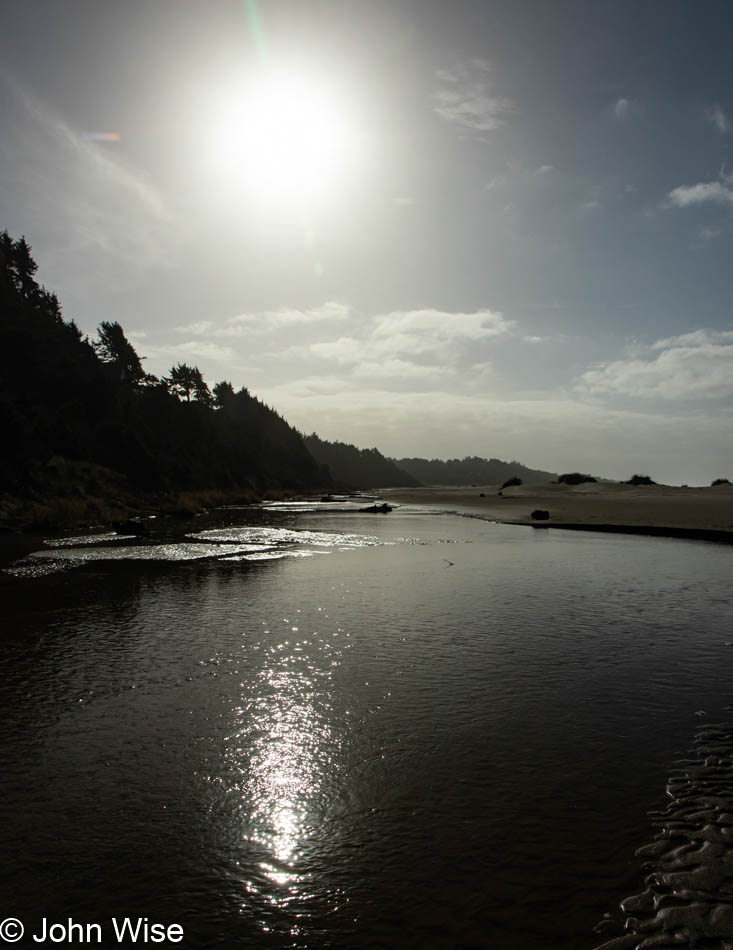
point(693, 514)
point(689, 534)
point(697, 514)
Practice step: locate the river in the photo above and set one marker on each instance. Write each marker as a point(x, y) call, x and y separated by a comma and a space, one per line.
point(309, 727)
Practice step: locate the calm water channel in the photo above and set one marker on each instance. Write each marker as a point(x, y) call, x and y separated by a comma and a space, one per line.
point(331, 729)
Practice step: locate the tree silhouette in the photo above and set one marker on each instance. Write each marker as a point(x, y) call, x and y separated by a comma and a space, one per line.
point(90, 411)
point(18, 268)
point(223, 394)
point(181, 381)
point(187, 381)
point(201, 390)
point(113, 347)
point(25, 267)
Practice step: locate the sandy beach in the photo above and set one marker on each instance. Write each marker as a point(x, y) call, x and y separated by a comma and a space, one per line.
point(705, 513)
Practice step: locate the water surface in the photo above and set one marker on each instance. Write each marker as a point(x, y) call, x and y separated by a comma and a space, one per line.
point(319, 728)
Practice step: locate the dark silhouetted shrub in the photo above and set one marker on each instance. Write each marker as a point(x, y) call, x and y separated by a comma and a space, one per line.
point(719, 481)
point(539, 514)
point(511, 482)
point(574, 478)
point(640, 480)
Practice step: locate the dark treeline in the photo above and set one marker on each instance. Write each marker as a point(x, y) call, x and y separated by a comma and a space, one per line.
point(359, 468)
point(66, 401)
point(471, 471)
point(64, 396)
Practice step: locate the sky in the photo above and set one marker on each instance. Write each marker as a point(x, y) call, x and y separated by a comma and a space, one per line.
point(486, 227)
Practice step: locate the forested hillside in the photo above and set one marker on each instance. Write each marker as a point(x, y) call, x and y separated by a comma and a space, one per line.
point(359, 468)
point(471, 471)
point(64, 396)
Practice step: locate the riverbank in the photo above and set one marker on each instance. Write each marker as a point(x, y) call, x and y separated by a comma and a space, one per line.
point(697, 513)
point(26, 524)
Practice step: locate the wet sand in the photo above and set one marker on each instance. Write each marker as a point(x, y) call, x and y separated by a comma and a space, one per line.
point(705, 513)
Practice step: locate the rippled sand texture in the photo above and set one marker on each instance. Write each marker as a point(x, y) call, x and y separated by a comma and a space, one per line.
point(688, 898)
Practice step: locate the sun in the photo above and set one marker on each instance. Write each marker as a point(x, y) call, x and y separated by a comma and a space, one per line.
point(286, 137)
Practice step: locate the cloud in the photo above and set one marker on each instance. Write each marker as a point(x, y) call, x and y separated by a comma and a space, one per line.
point(465, 98)
point(702, 337)
point(421, 330)
point(717, 117)
point(397, 369)
point(401, 348)
point(431, 335)
point(496, 182)
point(696, 365)
point(709, 234)
point(199, 328)
point(290, 316)
point(245, 324)
point(482, 370)
point(622, 108)
point(200, 349)
point(625, 109)
point(414, 344)
point(718, 192)
point(346, 349)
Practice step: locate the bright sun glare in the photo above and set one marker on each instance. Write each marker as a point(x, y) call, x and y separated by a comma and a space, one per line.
point(287, 138)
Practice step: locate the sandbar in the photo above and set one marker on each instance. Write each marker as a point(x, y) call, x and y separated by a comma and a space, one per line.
point(702, 513)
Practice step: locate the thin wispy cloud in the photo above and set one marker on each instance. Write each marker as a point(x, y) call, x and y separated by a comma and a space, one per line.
point(622, 109)
point(625, 109)
point(397, 369)
point(702, 337)
point(709, 234)
point(199, 328)
point(496, 182)
point(268, 321)
point(716, 117)
point(192, 349)
point(465, 97)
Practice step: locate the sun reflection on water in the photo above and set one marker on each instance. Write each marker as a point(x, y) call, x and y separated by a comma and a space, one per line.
point(280, 753)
